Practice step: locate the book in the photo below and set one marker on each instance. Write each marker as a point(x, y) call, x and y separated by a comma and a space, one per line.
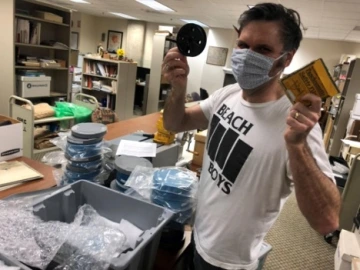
point(14, 172)
point(314, 78)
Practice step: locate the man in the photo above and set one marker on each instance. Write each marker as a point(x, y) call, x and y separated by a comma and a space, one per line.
point(259, 145)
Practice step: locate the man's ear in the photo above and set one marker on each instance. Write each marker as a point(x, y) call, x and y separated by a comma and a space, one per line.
point(289, 57)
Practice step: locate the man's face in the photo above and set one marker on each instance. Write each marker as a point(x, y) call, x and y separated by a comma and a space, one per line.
point(265, 38)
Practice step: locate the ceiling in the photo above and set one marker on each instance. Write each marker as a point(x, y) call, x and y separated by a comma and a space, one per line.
point(323, 19)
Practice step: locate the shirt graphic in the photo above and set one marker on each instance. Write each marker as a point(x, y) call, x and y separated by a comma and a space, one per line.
point(225, 147)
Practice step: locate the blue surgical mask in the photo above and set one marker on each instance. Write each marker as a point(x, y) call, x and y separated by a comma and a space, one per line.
point(251, 69)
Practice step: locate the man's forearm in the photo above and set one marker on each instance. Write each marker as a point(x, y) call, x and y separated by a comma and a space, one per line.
point(174, 110)
point(318, 198)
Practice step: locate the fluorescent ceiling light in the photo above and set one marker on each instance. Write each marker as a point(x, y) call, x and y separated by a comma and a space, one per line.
point(80, 1)
point(123, 15)
point(250, 6)
point(195, 22)
point(155, 5)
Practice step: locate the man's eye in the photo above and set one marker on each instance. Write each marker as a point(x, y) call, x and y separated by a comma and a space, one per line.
point(264, 49)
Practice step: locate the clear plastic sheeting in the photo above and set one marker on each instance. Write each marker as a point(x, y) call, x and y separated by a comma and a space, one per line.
point(55, 159)
point(90, 242)
point(174, 188)
point(3, 266)
point(26, 237)
point(93, 243)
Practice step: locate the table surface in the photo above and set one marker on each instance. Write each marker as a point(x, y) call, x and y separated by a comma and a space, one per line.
point(164, 259)
point(44, 183)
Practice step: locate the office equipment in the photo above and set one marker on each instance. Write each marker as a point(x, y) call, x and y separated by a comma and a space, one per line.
point(166, 155)
point(26, 116)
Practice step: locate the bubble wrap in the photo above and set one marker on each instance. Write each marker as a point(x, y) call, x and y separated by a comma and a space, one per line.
point(93, 243)
point(90, 242)
point(21, 230)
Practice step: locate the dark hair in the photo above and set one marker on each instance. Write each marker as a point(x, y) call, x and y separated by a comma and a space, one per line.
point(289, 20)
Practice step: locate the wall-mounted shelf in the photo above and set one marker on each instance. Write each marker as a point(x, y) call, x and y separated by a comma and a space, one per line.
point(35, 19)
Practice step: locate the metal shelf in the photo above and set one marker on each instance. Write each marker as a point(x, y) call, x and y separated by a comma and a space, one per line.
point(52, 119)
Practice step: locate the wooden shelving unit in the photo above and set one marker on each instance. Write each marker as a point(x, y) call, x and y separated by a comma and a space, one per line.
point(39, 46)
point(46, 32)
point(118, 76)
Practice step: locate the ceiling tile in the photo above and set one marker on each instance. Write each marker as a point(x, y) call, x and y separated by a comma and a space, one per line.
point(331, 19)
point(342, 6)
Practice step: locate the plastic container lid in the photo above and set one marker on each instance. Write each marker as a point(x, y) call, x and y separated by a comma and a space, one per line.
point(126, 164)
point(89, 130)
point(74, 140)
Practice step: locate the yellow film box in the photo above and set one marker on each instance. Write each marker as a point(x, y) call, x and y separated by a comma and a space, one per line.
point(313, 78)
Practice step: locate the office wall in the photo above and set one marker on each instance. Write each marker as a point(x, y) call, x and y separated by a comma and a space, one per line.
point(88, 38)
point(329, 50)
point(6, 54)
point(92, 27)
point(150, 30)
point(213, 76)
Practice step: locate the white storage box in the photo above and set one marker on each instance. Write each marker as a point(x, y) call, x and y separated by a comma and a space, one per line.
point(347, 249)
point(11, 137)
point(33, 86)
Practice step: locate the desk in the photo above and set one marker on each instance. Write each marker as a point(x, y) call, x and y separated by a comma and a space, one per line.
point(47, 182)
point(146, 123)
point(165, 260)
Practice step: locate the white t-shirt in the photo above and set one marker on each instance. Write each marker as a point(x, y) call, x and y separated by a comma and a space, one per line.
point(245, 177)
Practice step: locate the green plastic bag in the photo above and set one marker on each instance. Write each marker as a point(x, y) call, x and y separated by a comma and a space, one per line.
point(80, 113)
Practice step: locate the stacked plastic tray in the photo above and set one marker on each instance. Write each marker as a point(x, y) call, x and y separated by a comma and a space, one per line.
point(84, 152)
point(124, 166)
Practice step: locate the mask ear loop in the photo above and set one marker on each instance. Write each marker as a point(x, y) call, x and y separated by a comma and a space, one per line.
point(278, 61)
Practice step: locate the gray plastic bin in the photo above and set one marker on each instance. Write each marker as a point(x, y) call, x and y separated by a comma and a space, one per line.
point(63, 204)
point(12, 262)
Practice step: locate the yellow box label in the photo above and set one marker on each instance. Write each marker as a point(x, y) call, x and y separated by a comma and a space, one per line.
point(313, 78)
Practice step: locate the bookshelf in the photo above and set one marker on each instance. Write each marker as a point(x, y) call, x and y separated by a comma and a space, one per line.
point(112, 82)
point(42, 34)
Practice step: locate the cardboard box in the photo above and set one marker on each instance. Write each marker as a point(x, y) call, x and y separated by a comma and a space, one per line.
point(11, 137)
point(313, 78)
point(348, 248)
point(33, 86)
point(49, 16)
point(200, 140)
